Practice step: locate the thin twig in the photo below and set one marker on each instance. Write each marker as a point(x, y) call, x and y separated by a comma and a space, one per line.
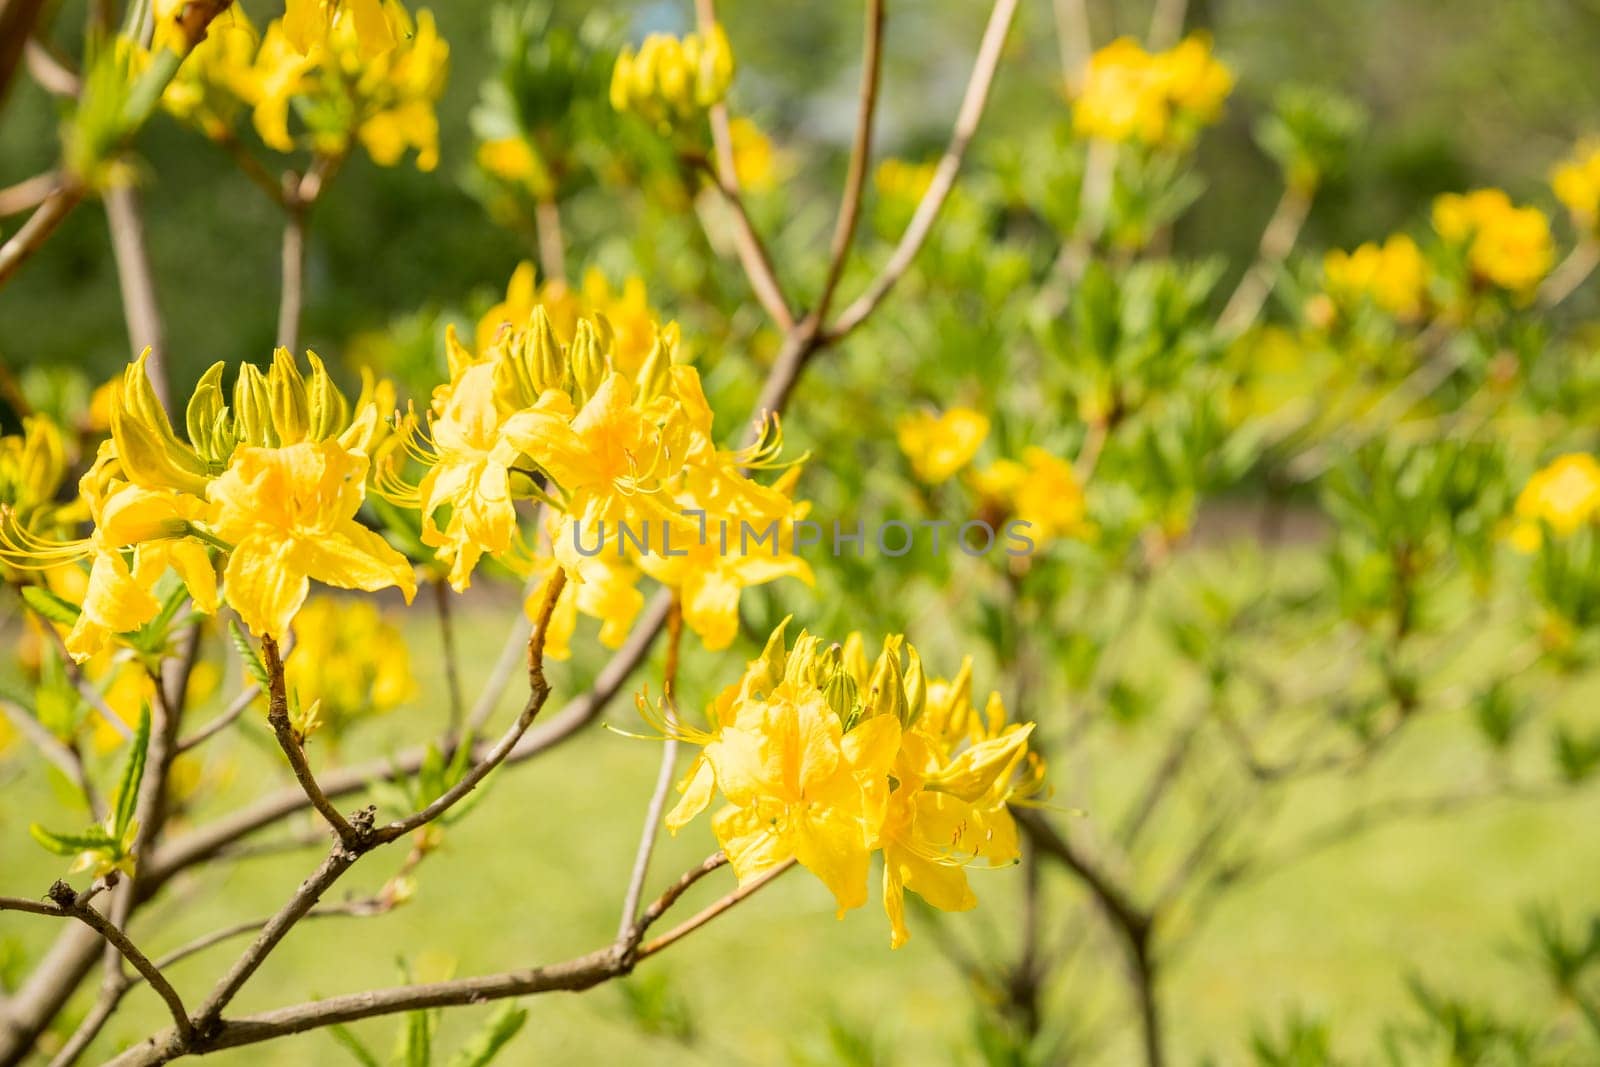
point(689, 926)
point(538, 693)
point(17, 18)
point(447, 651)
point(944, 176)
point(49, 70)
point(66, 759)
point(1277, 241)
point(136, 281)
point(552, 245)
point(1166, 23)
point(28, 193)
point(1573, 271)
point(664, 776)
point(50, 213)
point(752, 255)
point(86, 688)
point(283, 729)
point(855, 180)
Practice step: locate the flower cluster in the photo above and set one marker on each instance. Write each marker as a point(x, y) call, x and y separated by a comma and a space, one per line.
point(1506, 245)
point(354, 71)
point(604, 439)
point(627, 311)
point(1161, 98)
point(268, 488)
point(1393, 275)
point(1561, 498)
point(672, 81)
point(825, 758)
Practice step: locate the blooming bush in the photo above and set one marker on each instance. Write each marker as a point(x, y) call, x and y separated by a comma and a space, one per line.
point(999, 427)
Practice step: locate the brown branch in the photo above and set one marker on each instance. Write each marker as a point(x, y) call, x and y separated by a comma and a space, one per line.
point(49, 70)
point(752, 254)
point(944, 177)
point(64, 902)
point(212, 1033)
point(290, 742)
point(855, 181)
point(1166, 23)
point(50, 213)
point(452, 668)
point(538, 693)
point(1573, 271)
point(28, 193)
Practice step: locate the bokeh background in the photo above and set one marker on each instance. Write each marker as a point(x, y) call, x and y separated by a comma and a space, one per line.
point(1460, 94)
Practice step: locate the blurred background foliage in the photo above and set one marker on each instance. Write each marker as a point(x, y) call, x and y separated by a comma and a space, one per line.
point(1461, 94)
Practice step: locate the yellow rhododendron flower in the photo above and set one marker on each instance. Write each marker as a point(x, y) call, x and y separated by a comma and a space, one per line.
point(347, 661)
point(755, 161)
point(1393, 275)
point(938, 446)
point(1129, 94)
point(1564, 497)
point(289, 514)
point(1576, 184)
point(1506, 245)
point(825, 758)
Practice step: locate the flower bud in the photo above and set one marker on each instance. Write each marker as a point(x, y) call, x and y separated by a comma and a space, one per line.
point(252, 408)
point(655, 375)
point(588, 362)
point(329, 410)
point(291, 415)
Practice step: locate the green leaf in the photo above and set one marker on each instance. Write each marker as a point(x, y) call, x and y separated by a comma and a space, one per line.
point(247, 652)
point(132, 774)
point(352, 1044)
point(90, 840)
point(487, 1043)
point(416, 1048)
point(50, 606)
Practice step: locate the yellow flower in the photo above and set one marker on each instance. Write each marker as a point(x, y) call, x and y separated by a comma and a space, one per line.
point(1042, 491)
point(1563, 496)
point(514, 160)
point(311, 23)
point(673, 80)
point(1576, 184)
point(289, 514)
point(346, 83)
point(348, 661)
point(938, 446)
point(1393, 275)
point(825, 759)
point(1506, 245)
point(213, 84)
point(1129, 94)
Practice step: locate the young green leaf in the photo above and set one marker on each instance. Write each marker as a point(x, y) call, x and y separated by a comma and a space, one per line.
point(247, 652)
point(50, 606)
point(132, 775)
point(492, 1038)
point(352, 1044)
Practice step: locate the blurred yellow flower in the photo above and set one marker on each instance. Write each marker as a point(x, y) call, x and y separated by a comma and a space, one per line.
point(755, 161)
point(348, 660)
point(1393, 275)
point(1576, 184)
point(1506, 245)
point(673, 80)
point(627, 311)
point(1564, 496)
point(903, 182)
point(1163, 98)
point(311, 23)
point(938, 446)
point(1042, 491)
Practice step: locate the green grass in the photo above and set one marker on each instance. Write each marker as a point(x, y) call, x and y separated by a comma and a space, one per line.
point(536, 874)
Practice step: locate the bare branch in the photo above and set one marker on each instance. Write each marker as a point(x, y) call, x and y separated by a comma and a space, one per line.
point(664, 776)
point(1277, 241)
point(538, 693)
point(28, 193)
point(289, 741)
point(1573, 272)
point(50, 213)
point(552, 245)
point(689, 926)
point(447, 652)
point(855, 180)
point(51, 72)
point(17, 18)
point(944, 177)
point(66, 759)
point(136, 281)
point(1166, 23)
